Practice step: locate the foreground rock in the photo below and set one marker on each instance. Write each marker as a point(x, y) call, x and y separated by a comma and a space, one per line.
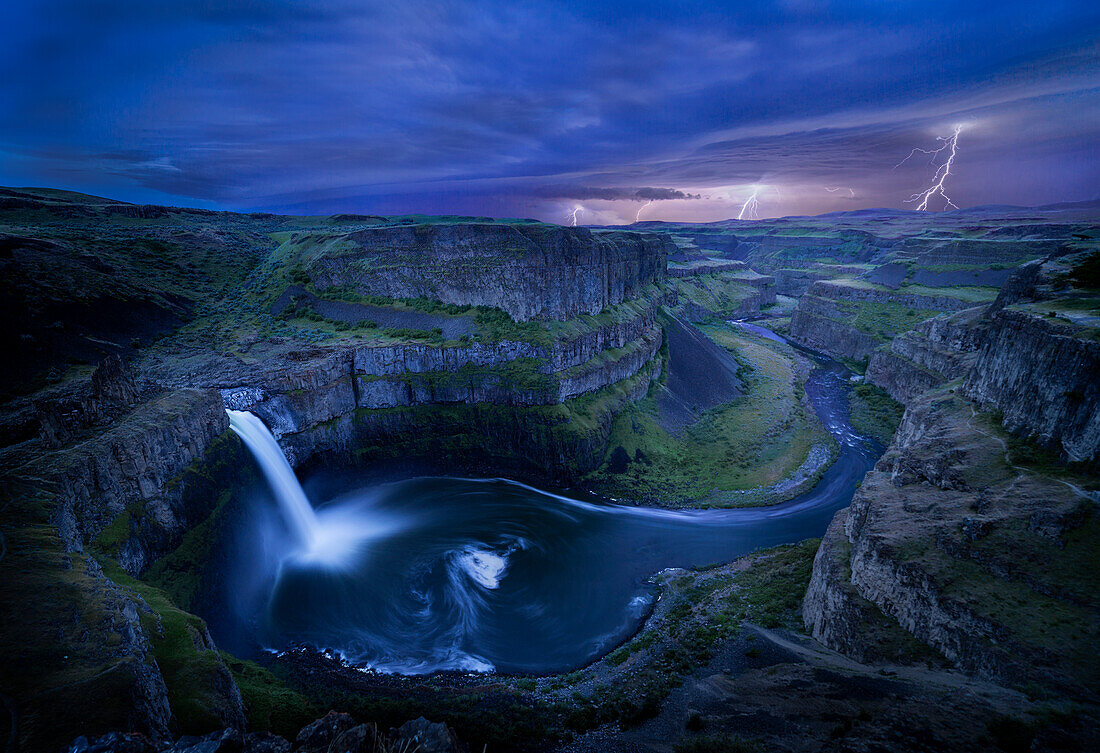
point(334, 733)
point(987, 563)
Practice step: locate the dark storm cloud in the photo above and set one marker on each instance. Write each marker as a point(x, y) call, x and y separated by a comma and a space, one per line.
point(508, 108)
point(582, 193)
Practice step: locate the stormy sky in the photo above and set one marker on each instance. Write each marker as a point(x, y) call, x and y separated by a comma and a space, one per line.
point(676, 110)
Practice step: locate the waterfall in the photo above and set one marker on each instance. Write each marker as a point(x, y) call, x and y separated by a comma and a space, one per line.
point(280, 476)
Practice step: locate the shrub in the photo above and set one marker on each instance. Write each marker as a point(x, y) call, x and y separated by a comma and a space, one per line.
point(716, 744)
point(1087, 273)
point(408, 333)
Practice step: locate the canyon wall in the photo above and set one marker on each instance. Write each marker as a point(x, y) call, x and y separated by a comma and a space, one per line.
point(851, 320)
point(340, 402)
point(964, 537)
point(531, 271)
point(127, 464)
point(937, 350)
point(972, 558)
point(1043, 374)
point(708, 291)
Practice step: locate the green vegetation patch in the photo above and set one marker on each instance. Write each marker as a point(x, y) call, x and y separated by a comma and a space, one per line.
point(193, 674)
point(873, 413)
point(703, 609)
point(562, 438)
point(269, 702)
point(888, 320)
point(753, 442)
point(721, 294)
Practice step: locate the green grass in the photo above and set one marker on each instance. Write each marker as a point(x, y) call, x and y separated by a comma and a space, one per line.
point(269, 703)
point(973, 294)
point(887, 320)
point(566, 438)
point(706, 608)
point(874, 413)
point(721, 294)
point(754, 441)
point(717, 744)
point(192, 674)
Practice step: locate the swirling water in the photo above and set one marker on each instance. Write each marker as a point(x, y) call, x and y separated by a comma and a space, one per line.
point(440, 573)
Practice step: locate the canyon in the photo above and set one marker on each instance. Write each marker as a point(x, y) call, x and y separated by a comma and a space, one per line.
point(597, 360)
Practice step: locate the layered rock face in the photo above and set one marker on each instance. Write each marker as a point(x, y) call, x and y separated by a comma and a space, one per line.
point(972, 557)
point(703, 292)
point(1044, 376)
point(529, 271)
point(937, 350)
point(852, 320)
point(1040, 370)
point(127, 469)
point(839, 291)
point(114, 444)
point(824, 324)
point(120, 470)
point(796, 282)
point(958, 537)
point(342, 400)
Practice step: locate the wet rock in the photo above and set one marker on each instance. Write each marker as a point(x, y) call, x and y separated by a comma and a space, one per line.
point(363, 738)
point(223, 741)
point(426, 737)
point(114, 742)
point(265, 742)
point(319, 736)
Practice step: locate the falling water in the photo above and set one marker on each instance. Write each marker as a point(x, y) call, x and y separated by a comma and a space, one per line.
point(292, 500)
point(430, 574)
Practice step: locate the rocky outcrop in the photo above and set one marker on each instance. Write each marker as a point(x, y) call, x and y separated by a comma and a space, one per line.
point(707, 267)
point(796, 282)
point(730, 295)
point(541, 440)
point(344, 400)
point(128, 692)
point(852, 320)
point(531, 271)
point(824, 324)
point(937, 350)
point(334, 733)
point(966, 554)
point(1042, 374)
point(136, 468)
point(849, 292)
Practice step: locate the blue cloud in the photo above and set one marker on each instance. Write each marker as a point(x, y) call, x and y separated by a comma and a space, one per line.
point(504, 108)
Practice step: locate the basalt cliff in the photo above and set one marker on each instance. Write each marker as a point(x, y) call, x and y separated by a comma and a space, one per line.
point(469, 345)
point(976, 533)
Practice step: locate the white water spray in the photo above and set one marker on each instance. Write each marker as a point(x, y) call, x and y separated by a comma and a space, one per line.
point(280, 476)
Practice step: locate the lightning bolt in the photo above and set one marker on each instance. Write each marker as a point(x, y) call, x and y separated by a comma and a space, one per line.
point(751, 207)
point(950, 144)
point(576, 210)
point(841, 188)
point(638, 216)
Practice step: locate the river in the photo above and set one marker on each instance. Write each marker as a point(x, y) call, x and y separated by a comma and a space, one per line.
point(440, 573)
